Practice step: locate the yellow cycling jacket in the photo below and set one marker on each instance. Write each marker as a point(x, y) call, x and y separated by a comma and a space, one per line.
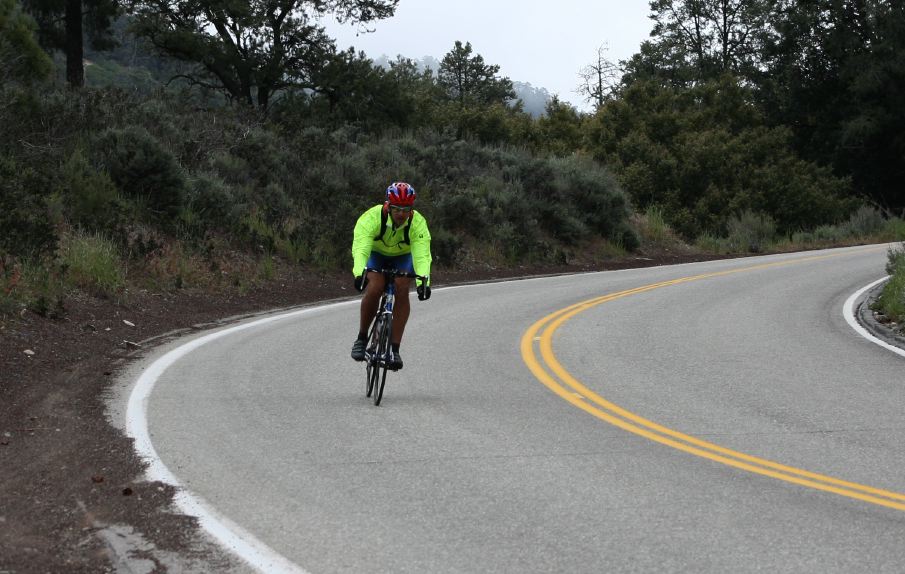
point(393, 241)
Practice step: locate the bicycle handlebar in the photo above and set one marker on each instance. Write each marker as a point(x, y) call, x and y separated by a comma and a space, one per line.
point(395, 273)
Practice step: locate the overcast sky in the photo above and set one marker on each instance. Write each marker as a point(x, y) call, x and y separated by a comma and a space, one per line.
point(543, 43)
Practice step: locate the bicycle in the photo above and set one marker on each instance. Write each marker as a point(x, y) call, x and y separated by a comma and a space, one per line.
point(377, 353)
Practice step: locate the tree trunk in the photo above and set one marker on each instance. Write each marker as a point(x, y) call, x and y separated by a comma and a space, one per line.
point(75, 72)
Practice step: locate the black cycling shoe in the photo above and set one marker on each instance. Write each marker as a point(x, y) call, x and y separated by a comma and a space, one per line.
point(358, 350)
point(395, 361)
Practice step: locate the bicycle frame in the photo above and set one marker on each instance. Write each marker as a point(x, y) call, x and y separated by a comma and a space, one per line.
point(377, 352)
point(384, 309)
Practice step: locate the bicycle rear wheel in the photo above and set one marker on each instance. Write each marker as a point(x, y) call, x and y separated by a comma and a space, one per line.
point(384, 330)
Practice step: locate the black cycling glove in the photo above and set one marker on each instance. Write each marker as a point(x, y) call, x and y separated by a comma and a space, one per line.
point(424, 291)
point(360, 283)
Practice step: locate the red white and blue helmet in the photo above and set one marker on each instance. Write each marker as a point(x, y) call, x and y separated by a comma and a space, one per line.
point(400, 193)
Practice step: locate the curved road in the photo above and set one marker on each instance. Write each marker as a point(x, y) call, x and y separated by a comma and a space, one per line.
point(472, 464)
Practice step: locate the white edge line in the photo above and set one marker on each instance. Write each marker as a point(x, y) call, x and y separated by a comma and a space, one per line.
point(848, 310)
point(226, 532)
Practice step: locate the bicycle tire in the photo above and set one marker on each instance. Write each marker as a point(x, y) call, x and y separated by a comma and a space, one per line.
point(383, 347)
point(371, 360)
point(369, 380)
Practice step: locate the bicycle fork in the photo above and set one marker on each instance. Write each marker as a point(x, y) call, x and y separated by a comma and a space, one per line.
point(385, 312)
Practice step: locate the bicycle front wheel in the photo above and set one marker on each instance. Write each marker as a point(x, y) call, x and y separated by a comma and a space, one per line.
point(370, 371)
point(372, 360)
point(384, 330)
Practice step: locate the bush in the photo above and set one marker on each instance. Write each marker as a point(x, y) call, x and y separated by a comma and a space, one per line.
point(892, 299)
point(265, 155)
point(171, 266)
point(803, 238)
point(750, 232)
point(831, 234)
point(864, 222)
point(31, 284)
point(653, 227)
point(90, 196)
point(893, 230)
point(142, 168)
point(26, 229)
point(445, 246)
point(211, 199)
point(91, 262)
point(895, 261)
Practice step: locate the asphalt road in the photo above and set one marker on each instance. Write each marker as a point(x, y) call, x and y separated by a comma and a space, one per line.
point(473, 463)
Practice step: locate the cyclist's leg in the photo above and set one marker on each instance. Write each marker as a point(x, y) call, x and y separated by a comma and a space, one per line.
point(370, 301)
point(402, 308)
point(369, 304)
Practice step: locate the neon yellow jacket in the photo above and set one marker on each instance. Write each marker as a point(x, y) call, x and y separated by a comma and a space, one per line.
point(392, 242)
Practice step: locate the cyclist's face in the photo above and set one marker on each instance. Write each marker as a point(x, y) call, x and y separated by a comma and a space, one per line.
point(400, 214)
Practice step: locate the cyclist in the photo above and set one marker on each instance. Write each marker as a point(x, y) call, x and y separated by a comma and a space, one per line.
point(390, 236)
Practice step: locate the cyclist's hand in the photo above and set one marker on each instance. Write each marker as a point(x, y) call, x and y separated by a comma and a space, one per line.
point(360, 283)
point(424, 291)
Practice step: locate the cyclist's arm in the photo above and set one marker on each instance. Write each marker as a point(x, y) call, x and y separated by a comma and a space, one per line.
point(367, 226)
point(420, 238)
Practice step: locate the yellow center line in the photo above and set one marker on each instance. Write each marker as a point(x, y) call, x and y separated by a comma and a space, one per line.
point(557, 379)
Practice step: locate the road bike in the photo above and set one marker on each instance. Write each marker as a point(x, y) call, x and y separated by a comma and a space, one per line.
point(378, 352)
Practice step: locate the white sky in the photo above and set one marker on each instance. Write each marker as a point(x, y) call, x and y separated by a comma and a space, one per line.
point(542, 43)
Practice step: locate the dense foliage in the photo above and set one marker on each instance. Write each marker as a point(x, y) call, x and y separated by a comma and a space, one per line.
point(212, 128)
point(829, 71)
point(705, 153)
point(135, 161)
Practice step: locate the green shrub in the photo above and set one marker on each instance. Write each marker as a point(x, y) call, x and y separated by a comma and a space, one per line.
point(864, 222)
point(712, 244)
point(273, 202)
point(25, 228)
point(90, 196)
point(895, 261)
point(803, 238)
point(445, 246)
point(627, 237)
point(562, 223)
point(173, 265)
point(831, 234)
point(32, 284)
point(750, 232)
point(211, 198)
point(893, 230)
point(292, 248)
point(653, 227)
point(142, 168)
point(92, 262)
point(892, 298)
point(266, 157)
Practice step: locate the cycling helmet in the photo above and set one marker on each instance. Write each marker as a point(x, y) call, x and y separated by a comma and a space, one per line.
point(400, 193)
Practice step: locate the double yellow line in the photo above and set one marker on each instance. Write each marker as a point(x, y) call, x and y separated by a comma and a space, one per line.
point(548, 370)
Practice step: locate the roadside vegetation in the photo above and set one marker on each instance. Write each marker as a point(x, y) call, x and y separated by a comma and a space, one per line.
point(153, 168)
point(891, 302)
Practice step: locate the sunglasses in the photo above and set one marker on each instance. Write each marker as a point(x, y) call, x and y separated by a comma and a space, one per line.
point(402, 208)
